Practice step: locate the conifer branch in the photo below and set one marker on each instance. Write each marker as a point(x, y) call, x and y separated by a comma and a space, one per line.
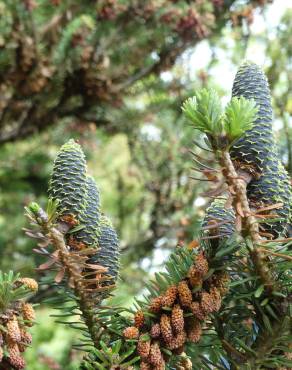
point(251, 169)
point(87, 287)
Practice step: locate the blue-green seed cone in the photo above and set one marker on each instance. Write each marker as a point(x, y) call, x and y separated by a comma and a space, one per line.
point(250, 151)
point(272, 187)
point(217, 213)
point(89, 217)
point(68, 180)
point(256, 151)
point(108, 252)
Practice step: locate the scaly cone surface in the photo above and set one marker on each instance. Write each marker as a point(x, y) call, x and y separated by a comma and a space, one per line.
point(220, 223)
point(108, 252)
point(250, 151)
point(90, 217)
point(68, 181)
point(256, 151)
point(271, 188)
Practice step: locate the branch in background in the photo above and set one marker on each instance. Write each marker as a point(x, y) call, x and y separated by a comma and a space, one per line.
point(70, 56)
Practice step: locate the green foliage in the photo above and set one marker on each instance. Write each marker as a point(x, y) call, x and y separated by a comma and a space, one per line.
point(268, 320)
point(205, 112)
point(106, 357)
point(249, 324)
point(62, 53)
point(176, 269)
point(10, 291)
point(239, 117)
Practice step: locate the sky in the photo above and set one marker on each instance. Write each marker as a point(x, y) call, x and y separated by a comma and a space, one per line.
point(224, 73)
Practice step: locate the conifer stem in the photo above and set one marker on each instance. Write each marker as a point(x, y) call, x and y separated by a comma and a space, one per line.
point(248, 223)
point(84, 302)
point(85, 305)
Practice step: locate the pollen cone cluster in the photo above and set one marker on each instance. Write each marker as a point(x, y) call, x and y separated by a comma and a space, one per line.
point(31, 284)
point(177, 316)
point(15, 319)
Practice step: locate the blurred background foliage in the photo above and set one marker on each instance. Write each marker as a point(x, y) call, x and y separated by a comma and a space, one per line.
point(113, 75)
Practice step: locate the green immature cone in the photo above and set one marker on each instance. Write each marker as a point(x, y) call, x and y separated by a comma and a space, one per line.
point(89, 217)
point(250, 151)
point(68, 180)
point(108, 253)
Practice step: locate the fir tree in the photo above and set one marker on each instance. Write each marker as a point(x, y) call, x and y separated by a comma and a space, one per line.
point(223, 305)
